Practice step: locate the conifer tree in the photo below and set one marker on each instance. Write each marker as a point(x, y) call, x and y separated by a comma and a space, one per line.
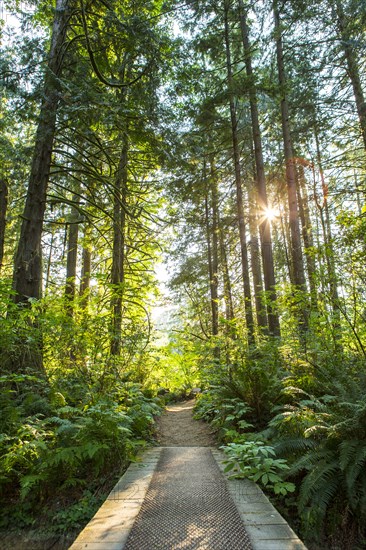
point(27, 279)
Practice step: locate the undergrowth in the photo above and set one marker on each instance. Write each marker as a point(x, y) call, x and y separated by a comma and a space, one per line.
point(307, 448)
point(60, 456)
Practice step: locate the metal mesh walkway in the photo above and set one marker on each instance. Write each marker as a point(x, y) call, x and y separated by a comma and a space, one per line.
point(187, 506)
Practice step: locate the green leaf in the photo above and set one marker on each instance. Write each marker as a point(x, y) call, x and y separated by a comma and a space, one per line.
point(229, 467)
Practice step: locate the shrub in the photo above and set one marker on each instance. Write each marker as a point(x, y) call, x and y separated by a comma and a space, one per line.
point(256, 461)
point(225, 413)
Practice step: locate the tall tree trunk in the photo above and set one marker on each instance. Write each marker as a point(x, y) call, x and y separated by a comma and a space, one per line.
point(215, 245)
point(27, 275)
point(239, 188)
point(228, 297)
point(286, 242)
point(3, 211)
point(49, 262)
point(264, 224)
point(296, 252)
point(72, 256)
point(230, 329)
point(212, 246)
point(212, 276)
point(307, 233)
point(85, 269)
point(329, 249)
point(27, 278)
point(260, 305)
point(119, 237)
point(352, 66)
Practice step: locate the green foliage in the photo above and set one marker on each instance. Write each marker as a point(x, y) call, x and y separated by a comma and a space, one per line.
point(49, 447)
point(253, 377)
point(57, 451)
point(314, 436)
point(256, 461)
point(76, 515)
point(174, 360)
point(87, 418)
point(141, 408)
point(324, 436)
point(224, 413)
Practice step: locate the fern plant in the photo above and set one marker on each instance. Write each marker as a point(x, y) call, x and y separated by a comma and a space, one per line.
point(325, 437)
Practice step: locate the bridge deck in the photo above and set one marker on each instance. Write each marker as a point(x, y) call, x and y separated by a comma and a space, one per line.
point(177, 498)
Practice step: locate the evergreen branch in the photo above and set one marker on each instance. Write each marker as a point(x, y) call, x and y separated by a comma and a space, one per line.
point(94, 63)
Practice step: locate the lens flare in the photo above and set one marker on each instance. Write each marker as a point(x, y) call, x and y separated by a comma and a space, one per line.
point(271, 213)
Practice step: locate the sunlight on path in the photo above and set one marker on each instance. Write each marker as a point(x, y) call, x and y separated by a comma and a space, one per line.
point(181, 407)
point(176, 427)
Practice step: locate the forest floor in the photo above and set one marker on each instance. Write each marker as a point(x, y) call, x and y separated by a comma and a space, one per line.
point(176, 428)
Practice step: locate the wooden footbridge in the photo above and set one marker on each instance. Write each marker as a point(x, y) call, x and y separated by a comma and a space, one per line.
point(178, 498)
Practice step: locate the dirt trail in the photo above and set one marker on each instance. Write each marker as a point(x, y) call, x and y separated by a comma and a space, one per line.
point(176, 428)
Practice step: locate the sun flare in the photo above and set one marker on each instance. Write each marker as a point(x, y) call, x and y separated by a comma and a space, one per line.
point(271, 213)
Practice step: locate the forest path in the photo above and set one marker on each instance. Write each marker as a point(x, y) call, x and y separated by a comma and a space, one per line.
point(177, 428)
point(176, 497)
point(188, 505)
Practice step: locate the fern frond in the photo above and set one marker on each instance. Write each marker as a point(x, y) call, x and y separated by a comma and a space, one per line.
point(352, 461)
point(29, 482)
point(293, 445)
point(64, 456)
point(294, 390)
point(347, 452)
point(320, 484)
point(90, 449)
point(315, 430)
point(326, 488)
point(311, 459)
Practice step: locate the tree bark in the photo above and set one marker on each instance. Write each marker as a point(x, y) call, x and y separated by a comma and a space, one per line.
point(296, 252)
point(352, 67)
point(215, 249)
point(212, 251)
point(329, 249)
point(307, 233)
point(260, 305)
point(27, 278)
point(119, 237)
point(239, 189)
point(49, 262)
point(229, 306)
point(230, 328)
point(72, 256)
point(211, 273)
point(3, 211)
point(264, 224)
point(85, 270)
point(295, 234)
